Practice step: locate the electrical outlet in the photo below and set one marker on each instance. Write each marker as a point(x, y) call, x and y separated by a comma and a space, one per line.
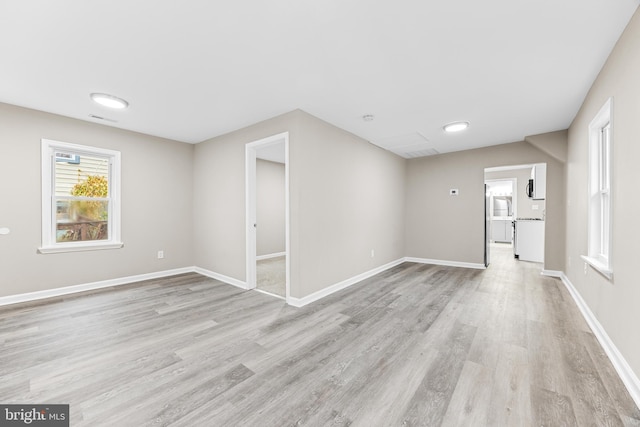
point(373, 253)
point(160, 254)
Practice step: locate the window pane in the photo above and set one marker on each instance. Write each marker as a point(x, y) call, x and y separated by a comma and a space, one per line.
point(80, 204)
point(604, 160)
point(82, 220)
point(81, 175)
point(604, 235)
point(599, 184)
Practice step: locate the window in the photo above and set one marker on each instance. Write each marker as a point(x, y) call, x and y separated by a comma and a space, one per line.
point(599, 232)
point(80, 198)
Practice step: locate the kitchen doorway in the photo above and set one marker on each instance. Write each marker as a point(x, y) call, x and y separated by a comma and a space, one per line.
point(503, 207)
point(517, 213)
point(500, 207)
point(267, 216)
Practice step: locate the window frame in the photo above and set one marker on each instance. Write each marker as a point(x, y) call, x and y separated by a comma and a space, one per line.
point(48, 158)
point(600, 220)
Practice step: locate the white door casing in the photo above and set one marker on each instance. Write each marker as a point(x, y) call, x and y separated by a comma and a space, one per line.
point(251, 150)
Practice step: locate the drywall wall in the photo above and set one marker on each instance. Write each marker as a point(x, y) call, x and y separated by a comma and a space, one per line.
point(451, 228)
point(614, 303)
point(270, 207)
point(524, 205)
point(219, 195)
point(354, 206)
point(552, 143)
point(156, 204)
point(346, 198)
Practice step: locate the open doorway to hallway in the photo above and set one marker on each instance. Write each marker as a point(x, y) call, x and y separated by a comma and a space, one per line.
point(270, 219)
point(267, 216)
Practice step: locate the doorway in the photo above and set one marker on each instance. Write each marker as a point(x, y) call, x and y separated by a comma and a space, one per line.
point(267, 216)
point(500, 211)
point(513, 208)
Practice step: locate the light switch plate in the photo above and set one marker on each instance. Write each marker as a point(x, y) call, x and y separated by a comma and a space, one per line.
point(454, 192)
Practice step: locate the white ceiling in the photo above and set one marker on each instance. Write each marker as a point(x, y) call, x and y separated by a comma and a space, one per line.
point(195, 69)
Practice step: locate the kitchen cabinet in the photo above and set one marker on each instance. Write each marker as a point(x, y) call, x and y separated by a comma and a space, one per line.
point(539, 177)
point(529, 242)
point(501, 230)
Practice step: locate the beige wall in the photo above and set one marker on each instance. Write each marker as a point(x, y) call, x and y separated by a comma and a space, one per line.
point(346, 199)
point(614, 303)
point(524, 204)
point(156, 204)
point(552, 143)
point(451, 228)
point(219, 195)
point(270, 207)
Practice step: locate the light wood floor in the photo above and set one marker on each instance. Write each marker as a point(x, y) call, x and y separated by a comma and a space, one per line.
point(415, 345)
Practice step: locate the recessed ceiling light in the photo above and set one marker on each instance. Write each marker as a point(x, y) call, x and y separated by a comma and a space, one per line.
point(455, 126)
point(109, 100)
point(368, 117)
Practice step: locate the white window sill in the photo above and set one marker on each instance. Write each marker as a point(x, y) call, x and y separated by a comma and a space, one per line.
point(599, 266)
point(79, 247)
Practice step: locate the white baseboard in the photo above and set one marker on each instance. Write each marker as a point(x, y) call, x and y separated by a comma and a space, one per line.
point(445, 263)
point(296, 302)
point(49, 293)
point(629, 378)
point(271, 294)
point(268, 256)
point(300, 302)
point(552, 273)
point(221, 277)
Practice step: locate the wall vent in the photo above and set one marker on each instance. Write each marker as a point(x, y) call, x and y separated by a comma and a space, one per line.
point(93, 116)
point(420, 153)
